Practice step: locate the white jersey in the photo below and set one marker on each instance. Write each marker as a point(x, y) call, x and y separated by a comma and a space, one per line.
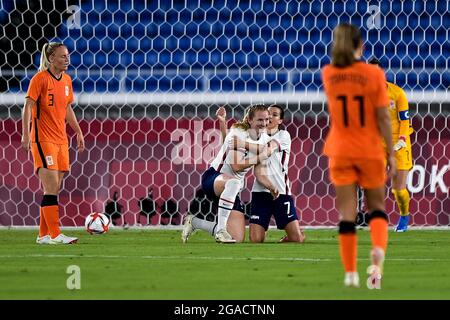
point(221, 162)
point(277, 165)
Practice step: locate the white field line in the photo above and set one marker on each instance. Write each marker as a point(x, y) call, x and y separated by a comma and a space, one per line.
point(66, 256)
point(180, 227)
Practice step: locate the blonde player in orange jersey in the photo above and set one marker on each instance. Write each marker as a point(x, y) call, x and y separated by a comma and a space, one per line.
point(47, 108)
point(357, 103)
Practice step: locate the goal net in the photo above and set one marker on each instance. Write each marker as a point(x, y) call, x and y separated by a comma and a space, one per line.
point(148, 77)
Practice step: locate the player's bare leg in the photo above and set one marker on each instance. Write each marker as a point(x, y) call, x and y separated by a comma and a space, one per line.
point(348, 242)
point(378, 224)
point(50, 180)
point(257, 234)
point(236, 225)
point(294, 233)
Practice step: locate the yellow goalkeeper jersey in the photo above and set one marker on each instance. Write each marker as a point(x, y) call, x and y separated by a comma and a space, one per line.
point(399, 111)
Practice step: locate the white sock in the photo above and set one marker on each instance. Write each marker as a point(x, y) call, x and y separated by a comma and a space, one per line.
point(226, 202)
point(204, 225)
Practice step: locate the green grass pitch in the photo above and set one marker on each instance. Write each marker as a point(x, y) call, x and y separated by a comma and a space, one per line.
point(154, 264)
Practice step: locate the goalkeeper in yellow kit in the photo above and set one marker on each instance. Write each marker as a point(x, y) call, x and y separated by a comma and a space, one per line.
point(401, 130)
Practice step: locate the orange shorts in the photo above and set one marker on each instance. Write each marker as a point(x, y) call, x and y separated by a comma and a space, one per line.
point(367, 173)
point(50, 156)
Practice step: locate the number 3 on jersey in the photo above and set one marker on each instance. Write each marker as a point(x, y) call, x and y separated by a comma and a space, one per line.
point(359, 99)
point(50, 99)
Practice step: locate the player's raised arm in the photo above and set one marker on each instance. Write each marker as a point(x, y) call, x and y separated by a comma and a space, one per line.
point(221, 115)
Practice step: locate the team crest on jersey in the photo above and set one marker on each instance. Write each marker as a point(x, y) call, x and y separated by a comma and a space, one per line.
point(49, 160)
point(67, 91)
point(392, 104)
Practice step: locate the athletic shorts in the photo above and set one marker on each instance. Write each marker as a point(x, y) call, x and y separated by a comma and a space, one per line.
point(404, 156)
point(208, 178)
point(50, 156)
point(263, 206)
point(367, 173)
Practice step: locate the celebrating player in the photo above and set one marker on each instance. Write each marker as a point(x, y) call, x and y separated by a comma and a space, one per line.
point(263, 206)
point(357, 102)
point(401, 130)
point(47, 107)
point(225, 178)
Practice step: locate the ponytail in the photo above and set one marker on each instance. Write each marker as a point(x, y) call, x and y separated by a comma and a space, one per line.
point(47, 50)
point(346, 39)
point(44, 60)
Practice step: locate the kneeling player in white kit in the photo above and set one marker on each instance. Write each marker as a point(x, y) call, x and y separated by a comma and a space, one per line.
point(225, 178)
point(263, 206)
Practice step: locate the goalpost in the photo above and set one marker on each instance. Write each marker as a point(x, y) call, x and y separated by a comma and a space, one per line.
point(149, 75)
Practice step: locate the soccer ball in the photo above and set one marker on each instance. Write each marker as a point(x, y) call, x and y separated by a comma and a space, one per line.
point(97, 223)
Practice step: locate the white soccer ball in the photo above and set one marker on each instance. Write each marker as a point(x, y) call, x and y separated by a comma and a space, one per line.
point(97, 223)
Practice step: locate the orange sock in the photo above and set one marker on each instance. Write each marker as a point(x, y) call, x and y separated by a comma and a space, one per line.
point(43, 228)
point(50, 212)
point(379, 232)
point(348, 245)
point(52, 217)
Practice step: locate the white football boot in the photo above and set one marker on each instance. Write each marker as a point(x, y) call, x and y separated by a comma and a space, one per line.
point(43, 239)
point(63, 239)
point(188, 228)
point(222, 236)
point(351, 279)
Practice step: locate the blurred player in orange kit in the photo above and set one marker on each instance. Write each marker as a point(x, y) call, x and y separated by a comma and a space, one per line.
point(357, 102)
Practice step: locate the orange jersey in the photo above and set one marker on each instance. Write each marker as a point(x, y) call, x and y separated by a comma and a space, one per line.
point(353, 94)
point(52, 96)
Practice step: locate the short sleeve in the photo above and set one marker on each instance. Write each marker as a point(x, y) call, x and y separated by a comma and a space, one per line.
point(284, 141)
point(381, 92)
point(34, 89)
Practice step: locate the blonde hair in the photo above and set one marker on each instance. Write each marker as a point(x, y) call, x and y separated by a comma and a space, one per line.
point(47, 50)
point(346, 39)
point(244, 124)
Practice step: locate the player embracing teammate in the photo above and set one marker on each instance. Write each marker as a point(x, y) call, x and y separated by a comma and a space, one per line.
point(271, 193)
